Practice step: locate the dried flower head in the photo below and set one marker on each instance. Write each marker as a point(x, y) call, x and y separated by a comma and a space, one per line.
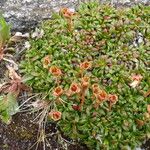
point(58, 91)
point(85, 65)
point(46, 61)
point(136, 79)
point(55, 115)
point(39, 104)
point(112, 98)
point(55, 71)
point(107, 17)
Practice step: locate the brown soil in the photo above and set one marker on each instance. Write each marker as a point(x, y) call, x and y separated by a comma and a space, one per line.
point(21, 134)
point(2, 69)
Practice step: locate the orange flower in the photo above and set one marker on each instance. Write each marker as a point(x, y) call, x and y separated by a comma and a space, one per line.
point(86, 65)
point(95, 88)
point(136, 79)
point(112, 98)
point(148, 108)
point(102, 95)
point(55, 71)
point(67, 13)
point(55, 115)
point(46, 61)
point(74, 88)
point(85, 81)
point(58, 91)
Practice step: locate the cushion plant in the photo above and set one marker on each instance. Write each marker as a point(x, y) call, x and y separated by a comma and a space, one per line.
point(93, 66)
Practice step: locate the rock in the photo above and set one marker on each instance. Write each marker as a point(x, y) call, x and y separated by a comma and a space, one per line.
point(24, 15)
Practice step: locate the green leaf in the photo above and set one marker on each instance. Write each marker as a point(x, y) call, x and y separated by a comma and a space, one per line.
point(12, 104)
point(4, 31)
point(6, 118)
point(8, 107)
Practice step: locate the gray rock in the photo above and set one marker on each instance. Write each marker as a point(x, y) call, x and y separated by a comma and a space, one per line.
point(24, 15)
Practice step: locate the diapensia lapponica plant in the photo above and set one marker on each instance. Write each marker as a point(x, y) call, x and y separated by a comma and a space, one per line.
point(92, 66)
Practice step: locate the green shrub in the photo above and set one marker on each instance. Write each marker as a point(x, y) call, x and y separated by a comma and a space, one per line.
point(90, 67)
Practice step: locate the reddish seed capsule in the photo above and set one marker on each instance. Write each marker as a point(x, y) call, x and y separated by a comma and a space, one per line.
point(76, 107)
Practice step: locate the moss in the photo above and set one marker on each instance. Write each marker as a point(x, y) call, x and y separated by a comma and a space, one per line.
point(21, 132)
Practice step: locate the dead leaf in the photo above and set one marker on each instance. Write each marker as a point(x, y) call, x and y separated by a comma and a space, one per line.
point(38, 33)
point(19, 36)
point(12, 73)
point(15, 85)
point(1, 53)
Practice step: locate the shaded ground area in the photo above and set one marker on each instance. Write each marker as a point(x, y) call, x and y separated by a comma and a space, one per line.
point(21, 134)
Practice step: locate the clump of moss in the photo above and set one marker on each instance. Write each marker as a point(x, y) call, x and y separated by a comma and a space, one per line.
point(94, 66)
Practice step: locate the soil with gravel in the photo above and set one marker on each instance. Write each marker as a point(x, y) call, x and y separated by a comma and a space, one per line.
point(21, 134)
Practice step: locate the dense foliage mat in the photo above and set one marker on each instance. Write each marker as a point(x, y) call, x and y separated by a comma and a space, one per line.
point(93, 66)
